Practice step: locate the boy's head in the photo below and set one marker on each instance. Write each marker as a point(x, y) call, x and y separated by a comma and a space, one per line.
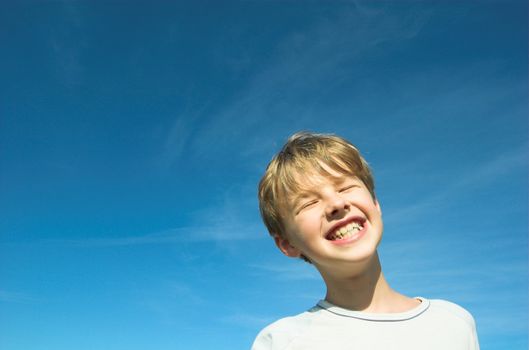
point(304, 157)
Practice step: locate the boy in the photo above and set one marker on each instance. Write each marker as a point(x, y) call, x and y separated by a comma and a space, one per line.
point(317, 200)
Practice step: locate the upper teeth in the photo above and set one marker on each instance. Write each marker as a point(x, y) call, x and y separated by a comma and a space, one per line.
point(346, 230)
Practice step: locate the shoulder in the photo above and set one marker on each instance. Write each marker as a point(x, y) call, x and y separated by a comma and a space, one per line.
point(452, 311)
point(281, 333)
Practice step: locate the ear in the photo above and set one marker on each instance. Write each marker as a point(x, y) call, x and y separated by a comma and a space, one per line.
point(285, 247)
point(377, 205)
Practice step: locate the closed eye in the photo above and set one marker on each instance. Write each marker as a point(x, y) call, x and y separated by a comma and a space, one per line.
point(347, 188)
point(307, 205)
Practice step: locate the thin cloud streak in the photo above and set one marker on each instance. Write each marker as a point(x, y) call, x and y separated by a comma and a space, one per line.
point(66, 47)
point(225, 220)
point(297, 72)
point(15, 297)
point(474, 178)
point(292, 271)
point(249, 320)
point(504, 164)
point(172, 236)
point(168, 300)
point(180, 133)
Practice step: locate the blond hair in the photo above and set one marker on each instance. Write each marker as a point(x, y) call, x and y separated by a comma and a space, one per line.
point(304, 155)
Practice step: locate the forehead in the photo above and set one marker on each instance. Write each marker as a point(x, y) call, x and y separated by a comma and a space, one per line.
point(307, 181)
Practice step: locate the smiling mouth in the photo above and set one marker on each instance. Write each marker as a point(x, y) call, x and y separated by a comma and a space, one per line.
point(345, 231)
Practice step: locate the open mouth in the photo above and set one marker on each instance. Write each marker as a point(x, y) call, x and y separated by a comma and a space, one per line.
point(347, 230)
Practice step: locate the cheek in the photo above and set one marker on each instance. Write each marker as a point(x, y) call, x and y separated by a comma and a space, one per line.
point(308, 227)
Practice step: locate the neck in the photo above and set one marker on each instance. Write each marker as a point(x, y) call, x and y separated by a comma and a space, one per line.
point(365, 290)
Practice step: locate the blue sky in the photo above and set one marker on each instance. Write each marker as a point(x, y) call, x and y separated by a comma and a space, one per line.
point(133, 135)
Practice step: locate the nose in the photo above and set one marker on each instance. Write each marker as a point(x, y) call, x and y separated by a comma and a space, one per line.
point(336, 206)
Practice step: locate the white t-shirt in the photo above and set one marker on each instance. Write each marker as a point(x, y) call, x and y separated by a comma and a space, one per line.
point(433, 325)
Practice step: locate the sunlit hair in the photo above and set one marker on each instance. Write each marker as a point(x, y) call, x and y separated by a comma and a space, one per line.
point(305, 157)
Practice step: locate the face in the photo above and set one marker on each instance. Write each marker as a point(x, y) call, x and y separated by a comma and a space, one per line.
point(334, 222)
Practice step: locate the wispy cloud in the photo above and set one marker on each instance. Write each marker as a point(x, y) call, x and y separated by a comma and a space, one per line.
point(291, 270)
point(493, 170)
point(171, 236)
point(168, 299)
point(468, 180)
point(232, 216)
point(249, 320)
point(180, 134)
point(67, 42)
point(302, 67)
point(15, 297)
